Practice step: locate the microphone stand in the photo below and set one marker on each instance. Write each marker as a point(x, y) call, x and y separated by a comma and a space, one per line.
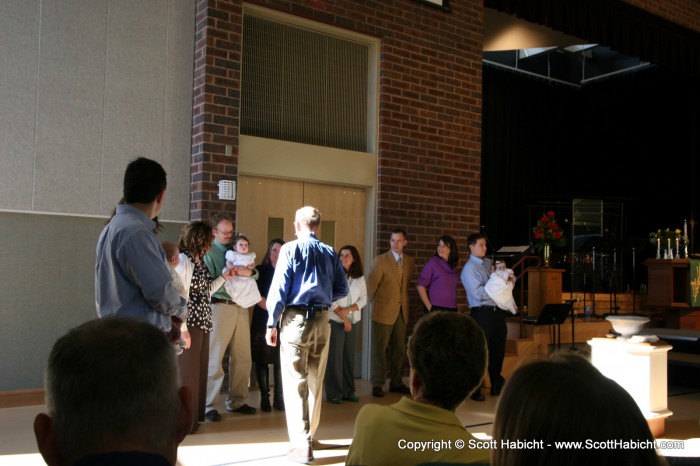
point(616, 283)
point(573, 319)
point(593, 286)
point(634, 282)
point(613, 287)
point(572, 263)
point(584, 296)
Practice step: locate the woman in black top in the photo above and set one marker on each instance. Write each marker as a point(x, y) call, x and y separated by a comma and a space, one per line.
point(262, 353)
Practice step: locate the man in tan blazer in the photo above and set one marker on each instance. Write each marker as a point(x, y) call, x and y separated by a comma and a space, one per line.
point(387, 288)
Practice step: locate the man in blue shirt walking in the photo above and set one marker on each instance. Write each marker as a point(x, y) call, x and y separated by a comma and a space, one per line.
point(308, 278)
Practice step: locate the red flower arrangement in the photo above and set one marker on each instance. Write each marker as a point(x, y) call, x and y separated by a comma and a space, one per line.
point(547, 231)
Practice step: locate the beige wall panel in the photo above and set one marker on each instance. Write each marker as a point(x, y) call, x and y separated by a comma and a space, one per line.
point(284, 159)
point(86, 87)
point(47, 285)
point(177, 123)
point(19, 34)
point(69, 106)
point(134, 91)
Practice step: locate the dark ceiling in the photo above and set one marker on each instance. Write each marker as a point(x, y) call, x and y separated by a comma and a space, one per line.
point(540, 52)
point(575, 65)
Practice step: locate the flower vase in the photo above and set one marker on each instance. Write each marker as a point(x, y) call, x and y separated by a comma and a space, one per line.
point(546, 252)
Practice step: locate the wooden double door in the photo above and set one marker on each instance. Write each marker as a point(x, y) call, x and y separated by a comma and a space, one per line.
point(266, 208)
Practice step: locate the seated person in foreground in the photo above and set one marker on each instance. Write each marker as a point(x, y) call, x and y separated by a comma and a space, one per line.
point(564, 398)
point(447, 357)
point(112, 397)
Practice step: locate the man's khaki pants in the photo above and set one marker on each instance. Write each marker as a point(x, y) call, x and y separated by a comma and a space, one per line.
point(303, 357)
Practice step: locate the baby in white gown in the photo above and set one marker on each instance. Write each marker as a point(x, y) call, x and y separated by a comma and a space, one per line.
point(500, 287)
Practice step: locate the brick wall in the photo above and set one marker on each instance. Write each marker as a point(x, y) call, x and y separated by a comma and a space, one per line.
point(216, 104)
point(683, 12)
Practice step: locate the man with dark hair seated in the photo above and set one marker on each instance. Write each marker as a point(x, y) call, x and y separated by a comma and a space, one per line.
point(113, 397)
point(447, 356)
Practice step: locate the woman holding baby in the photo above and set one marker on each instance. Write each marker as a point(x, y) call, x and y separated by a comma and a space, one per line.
point(195, 240)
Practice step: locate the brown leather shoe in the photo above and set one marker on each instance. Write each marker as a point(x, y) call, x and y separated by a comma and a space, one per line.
point(378, 392)
point(301, 455)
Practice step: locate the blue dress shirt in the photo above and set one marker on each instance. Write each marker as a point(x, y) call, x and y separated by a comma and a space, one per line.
point(474, 276)
point(308, 272)
point(132, 278)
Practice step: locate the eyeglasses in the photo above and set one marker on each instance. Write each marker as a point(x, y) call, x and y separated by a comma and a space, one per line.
point(225, 233)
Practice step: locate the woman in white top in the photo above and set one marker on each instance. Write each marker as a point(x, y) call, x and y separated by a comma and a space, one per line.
point(195, 240)
point(345, 314)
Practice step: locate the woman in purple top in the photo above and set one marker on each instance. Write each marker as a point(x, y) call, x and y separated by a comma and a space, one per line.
point(437, 283)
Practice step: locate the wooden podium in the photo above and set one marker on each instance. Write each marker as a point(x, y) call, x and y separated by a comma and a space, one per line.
point(543, 287)
point(669, 290)
point(669, 282)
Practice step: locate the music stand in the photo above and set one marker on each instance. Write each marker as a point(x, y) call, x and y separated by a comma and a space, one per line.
point(552, 314)
point(572, 302)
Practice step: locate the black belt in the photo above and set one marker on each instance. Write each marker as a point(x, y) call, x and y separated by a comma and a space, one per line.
point(486, 308)
point(224, 301)
point(309, 311)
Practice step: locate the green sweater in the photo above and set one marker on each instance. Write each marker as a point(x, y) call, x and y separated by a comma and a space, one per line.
point(215, 260)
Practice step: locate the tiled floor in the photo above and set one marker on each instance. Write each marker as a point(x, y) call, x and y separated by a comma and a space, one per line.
point(261, 439)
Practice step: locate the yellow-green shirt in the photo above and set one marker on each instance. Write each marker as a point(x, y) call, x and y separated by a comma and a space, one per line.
point(409, 433)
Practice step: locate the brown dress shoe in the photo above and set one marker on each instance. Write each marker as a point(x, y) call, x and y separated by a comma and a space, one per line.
point(378, 392)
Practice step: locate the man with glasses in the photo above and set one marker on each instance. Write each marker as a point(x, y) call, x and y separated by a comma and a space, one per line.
point(230, 328)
